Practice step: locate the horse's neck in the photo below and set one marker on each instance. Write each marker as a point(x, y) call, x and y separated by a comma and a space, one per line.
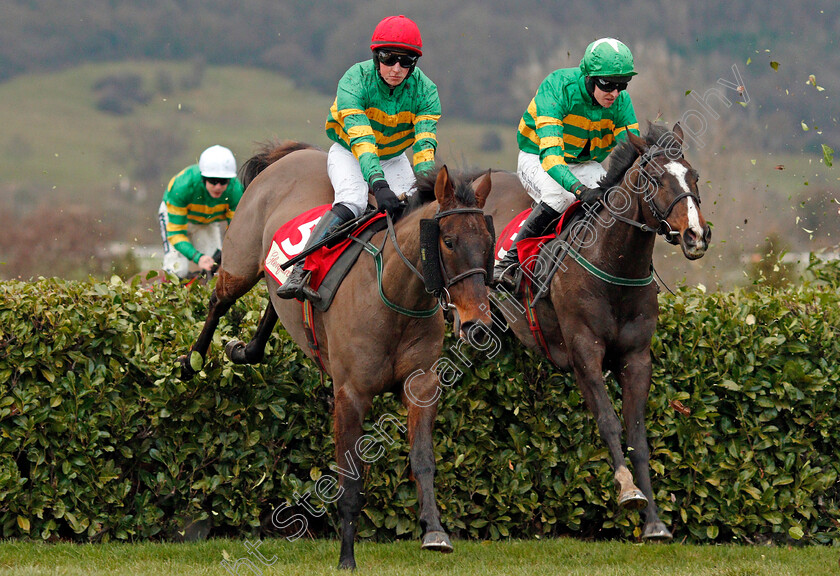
point(621, 248)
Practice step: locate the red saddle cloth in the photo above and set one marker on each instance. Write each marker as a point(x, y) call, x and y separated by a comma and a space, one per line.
point(290, 239)
point(528, 247)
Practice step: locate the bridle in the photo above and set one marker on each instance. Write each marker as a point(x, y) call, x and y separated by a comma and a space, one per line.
point(436, 278)
point(663, 228)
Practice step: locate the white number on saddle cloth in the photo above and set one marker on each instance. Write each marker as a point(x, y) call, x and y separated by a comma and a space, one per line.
point(305, 232)
point(281, 253)
point(512, 230)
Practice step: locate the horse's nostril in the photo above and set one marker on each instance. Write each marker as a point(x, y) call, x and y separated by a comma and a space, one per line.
point(707, 234)
point(477, 333)
point(690, 237)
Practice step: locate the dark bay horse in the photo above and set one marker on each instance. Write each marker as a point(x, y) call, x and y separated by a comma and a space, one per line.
point(589, 321)
point(366, 346)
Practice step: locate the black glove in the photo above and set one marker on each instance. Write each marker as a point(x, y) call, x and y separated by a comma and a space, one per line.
point(385, 198)
point(589, 195)
point(217, 258)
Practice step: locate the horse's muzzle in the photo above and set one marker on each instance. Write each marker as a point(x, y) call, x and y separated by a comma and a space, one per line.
point(694, 245)
point(477, 333)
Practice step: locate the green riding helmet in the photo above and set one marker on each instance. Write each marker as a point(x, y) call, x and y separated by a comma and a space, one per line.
point(608, 57)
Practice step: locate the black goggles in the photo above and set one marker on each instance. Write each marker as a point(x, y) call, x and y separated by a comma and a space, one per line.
point(390, 58)
point(608, 86)
point(217, 181)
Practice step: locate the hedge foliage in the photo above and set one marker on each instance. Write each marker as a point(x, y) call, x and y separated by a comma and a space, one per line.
point(100, 440)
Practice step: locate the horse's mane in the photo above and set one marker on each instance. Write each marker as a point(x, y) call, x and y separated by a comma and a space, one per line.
point(425, 189)
point(623, 155)
point(268, 153)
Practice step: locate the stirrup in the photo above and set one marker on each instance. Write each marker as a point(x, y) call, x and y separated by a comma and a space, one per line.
point(506, 275)
point(507, 278)
point(297, 286)
point(505, 271)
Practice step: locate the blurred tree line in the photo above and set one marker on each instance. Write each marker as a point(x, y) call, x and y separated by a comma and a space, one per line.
point(486, 56)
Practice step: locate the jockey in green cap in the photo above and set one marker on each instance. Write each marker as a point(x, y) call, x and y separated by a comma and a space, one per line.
point(576, 118)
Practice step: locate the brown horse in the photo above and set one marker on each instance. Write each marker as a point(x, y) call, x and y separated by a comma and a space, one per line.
point(603, 319)
point(365, 344)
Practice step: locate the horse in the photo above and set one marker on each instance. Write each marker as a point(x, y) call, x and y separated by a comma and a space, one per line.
point(368, 343)
point(592, 321)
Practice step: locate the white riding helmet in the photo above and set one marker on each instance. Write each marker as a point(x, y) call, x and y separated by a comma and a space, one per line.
point(217, 162)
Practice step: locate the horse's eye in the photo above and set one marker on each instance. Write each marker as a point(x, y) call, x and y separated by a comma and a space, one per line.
point(448, 243)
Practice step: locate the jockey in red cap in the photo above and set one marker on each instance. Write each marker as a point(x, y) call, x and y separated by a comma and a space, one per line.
point(383, 107)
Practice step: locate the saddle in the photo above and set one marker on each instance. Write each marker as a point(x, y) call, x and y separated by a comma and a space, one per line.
point(329, 265)
point(539, 255)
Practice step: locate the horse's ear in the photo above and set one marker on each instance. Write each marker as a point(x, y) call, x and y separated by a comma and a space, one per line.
point(481, 187)
point(638, 143)
point(444, 191)
point(678, 132)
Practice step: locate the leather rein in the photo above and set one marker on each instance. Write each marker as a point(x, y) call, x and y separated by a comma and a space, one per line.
point(663, 229)
point(442, 294)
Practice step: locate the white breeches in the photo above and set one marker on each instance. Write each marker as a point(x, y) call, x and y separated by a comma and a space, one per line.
point(206, 239)
point(543, 188)
point(351, 189)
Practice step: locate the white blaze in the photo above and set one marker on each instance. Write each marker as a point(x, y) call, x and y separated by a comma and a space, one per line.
point(679, 171)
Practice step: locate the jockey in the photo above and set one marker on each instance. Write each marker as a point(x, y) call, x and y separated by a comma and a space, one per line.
point(382, 107)
point(576, 118)
point(202, 196)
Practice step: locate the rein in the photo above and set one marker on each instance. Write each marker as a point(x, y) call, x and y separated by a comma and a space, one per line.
point(606, 276)
point(377, 258)
point(442, 294)
point(663, 229)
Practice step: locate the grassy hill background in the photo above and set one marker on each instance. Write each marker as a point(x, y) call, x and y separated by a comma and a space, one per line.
point(85, 154)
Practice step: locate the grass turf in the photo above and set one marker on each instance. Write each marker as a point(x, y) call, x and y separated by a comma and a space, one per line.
point(310, 558)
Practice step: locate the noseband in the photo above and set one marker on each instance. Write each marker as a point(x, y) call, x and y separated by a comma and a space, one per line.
point(663, 228)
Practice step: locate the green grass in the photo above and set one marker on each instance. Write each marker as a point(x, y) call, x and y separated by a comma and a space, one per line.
point(310, 558)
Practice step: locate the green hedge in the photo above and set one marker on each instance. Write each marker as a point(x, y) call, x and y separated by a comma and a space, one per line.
point(100, 440)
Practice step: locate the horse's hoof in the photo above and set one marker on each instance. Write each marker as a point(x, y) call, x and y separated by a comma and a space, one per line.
point(186, 370)
point(656, 531)
point(347, 564)
point(235, 351)
point(437, 541)
point(633, 500)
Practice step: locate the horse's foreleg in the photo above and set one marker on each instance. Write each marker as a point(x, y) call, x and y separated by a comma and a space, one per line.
point(252, 353)
point(227, 291)
point(634, 377)
point(349, 414)
point(588, 360)
point(420, 396)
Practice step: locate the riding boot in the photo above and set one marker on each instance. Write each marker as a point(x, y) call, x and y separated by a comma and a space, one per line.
point(297, 285)
point(504, 273)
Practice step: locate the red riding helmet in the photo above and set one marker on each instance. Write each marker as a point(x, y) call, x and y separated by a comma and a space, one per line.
point(397, 32)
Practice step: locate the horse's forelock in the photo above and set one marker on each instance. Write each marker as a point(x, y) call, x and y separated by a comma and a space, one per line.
point(656, 134)
point(425, 189)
